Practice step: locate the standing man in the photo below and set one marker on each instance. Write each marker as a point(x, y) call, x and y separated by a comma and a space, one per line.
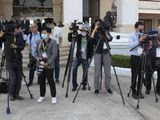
point(14, 45)
point(134, 39)
point(102, 56)
point(84, 52)
point(25, 25)
point(33, 37)
point(56, 35)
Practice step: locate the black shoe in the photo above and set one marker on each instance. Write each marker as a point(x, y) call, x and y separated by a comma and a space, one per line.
point(19, 97)
point(109, 91)
point(140, 95)
point(147, 92)
point(29, 84)
point(84, 88)
point(96, 91)
point(57, 81)
point(134, 96)
point(74, 89)
point(12, 98)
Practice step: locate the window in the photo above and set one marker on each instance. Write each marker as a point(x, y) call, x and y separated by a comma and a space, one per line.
point(91, 8)
point(33, 7)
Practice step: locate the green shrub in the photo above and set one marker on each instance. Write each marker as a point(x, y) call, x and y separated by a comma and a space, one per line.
point(121, 61)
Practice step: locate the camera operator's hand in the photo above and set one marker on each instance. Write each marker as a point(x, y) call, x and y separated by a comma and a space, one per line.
point(46, 65)
point(94, 31)
point(13, 46)
point(142, 38)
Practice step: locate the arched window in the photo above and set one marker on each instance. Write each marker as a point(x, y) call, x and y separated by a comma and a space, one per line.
point(37, 8)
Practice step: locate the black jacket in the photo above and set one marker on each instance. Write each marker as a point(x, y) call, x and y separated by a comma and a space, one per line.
point(26, 26)
point(79, 41)
point(95, 41)
point(14, 55)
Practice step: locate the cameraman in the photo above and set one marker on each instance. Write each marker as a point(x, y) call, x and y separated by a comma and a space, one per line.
point(14, 44)
point(155, 64)
point(46, 52)
point(84, 52)
point(102, 50)
point(135, 39)
point(33, 37)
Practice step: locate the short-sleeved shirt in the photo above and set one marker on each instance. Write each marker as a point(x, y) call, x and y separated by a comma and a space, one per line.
point(32, 42)
point(56, 34)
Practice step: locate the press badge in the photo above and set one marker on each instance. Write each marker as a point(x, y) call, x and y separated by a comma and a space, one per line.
point(140, 50)
point(44, 55)
point(158, 52)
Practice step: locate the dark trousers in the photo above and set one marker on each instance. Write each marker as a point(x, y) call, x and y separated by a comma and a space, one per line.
point(32, 70)
point(15, 74)
point(135, 72)
point(57, 66)
point(47, 74)
point(149, 74)
point(76, 64)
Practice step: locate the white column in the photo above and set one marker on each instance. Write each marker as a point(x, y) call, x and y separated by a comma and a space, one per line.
point(127, 15)
point(72, 9)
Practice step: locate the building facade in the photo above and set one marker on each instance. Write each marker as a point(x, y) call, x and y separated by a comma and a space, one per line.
point(127, 11)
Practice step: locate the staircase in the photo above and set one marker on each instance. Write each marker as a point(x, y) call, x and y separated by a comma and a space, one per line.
point(63, 56)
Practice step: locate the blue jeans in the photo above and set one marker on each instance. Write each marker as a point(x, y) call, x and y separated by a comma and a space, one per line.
point(57, 66)
point(76, 64)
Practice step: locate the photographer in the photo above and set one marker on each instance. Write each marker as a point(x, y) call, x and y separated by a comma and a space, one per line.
point(14, 44)
point(99, 38)
point(155, 64)
point(33, 37)
point(84, 52)
point(135, 39)
point(56, 35)
point(46, 52)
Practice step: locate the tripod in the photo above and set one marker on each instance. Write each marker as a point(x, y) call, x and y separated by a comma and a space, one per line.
point(7, 79)
point(69, 65)
point(108, 46)
point(143, 61)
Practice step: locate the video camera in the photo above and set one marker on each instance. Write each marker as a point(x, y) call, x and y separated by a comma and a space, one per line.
point(150, 36)
point(75, 27)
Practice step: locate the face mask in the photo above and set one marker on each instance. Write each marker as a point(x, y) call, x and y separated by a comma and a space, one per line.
point(44, 36)
point(84, 34)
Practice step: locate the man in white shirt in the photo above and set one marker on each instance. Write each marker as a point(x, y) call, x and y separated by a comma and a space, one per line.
point(57, 36)
point(134, 40)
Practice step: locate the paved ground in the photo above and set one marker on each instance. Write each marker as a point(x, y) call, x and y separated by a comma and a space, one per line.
point(88, 106)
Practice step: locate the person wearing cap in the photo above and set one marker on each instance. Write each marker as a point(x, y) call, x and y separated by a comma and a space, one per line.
point(83, 53)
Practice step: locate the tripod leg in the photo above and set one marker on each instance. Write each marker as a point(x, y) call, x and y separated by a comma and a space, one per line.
point(118, 85)
point(101, 78)
point(155, 89)
point(8, 97)
point(24, 78)
point(66, 69)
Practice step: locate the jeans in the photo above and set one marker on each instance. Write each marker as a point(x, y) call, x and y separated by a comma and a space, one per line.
point(76, 64)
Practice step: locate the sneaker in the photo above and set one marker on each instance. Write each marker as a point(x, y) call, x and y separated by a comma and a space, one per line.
point(57, 81)
point(96, 91)
point(19, 97)
point(134, 96)
point(147, 92)
point(84, 88)
point(54, 100)
point(41, 99)
point(109, 91)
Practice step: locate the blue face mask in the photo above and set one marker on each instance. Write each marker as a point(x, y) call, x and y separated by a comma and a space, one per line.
point(44, 36)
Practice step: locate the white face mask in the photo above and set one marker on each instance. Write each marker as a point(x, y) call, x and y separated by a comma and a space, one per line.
point(84, 34)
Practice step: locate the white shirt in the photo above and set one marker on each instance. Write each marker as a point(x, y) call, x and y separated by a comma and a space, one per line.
point(56, 34)
point(133, 42)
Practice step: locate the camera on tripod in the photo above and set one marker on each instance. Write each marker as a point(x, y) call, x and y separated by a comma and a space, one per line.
point(150, 36)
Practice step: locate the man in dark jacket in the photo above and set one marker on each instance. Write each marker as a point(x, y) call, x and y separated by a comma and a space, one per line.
point(84, 52)
point(14, 44)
